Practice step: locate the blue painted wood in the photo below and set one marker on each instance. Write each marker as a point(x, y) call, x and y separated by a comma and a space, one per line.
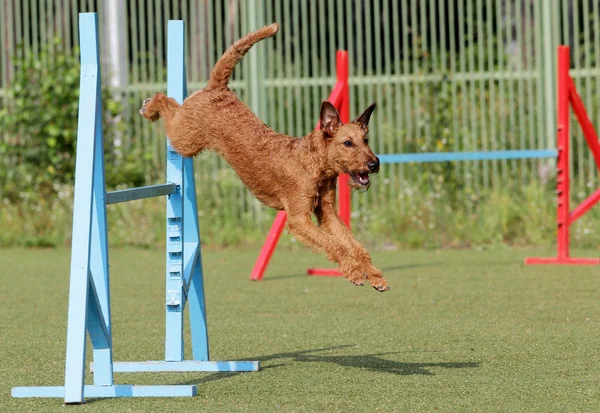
point(197, 307)
point(466, 156)
point(143, 192)
point(187, 365)
point(99, 325)
point(82, 210)
point(175, 297)
point(89, 291)
point(119, 390)
point(193, 273)
point(190, 258)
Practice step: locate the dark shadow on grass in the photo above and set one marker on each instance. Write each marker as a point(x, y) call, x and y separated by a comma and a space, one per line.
point(371, 362)
point(392, 268)
point(219, 376)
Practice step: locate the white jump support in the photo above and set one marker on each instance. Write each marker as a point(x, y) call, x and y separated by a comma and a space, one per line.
point(89, 291)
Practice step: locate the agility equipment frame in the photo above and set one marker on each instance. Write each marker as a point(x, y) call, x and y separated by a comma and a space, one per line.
point(567, 94)
point(340, 98)
point(89, 292)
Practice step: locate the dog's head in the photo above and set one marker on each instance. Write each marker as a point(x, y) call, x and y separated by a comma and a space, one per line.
point(348, 145)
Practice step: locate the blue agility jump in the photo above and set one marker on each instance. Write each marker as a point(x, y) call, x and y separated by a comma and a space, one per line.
point(467, 156)
point(89, 292)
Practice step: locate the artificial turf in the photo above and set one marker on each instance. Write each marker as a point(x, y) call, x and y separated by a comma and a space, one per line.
point(459, 331)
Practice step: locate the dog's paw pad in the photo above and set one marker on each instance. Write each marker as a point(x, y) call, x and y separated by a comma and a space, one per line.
point(380, 286)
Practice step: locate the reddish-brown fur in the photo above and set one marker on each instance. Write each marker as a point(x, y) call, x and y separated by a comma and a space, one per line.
point(297, 175)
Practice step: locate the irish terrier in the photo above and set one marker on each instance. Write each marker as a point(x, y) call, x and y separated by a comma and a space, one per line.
point(297, 175)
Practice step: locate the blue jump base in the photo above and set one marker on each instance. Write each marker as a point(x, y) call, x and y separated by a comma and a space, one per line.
point(187, 365)
point(89, 292)
point(115, 390)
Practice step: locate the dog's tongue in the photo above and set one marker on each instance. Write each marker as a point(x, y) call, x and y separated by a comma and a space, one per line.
point(363, 178)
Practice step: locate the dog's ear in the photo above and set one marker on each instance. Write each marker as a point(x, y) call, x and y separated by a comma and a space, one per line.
point(363, 120)
point(330, 119)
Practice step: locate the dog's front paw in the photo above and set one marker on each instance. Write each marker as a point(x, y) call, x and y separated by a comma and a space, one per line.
point(377, 281)
point(380, 284)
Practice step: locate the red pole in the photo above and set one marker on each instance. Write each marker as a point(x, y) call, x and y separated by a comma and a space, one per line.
point(270, 243)
point(567, 94)
point(344, 199)
point(562, 176)
point(341, 63)
point(589, 133)
point(584, 207)
point(341, 60)
point(339, 97)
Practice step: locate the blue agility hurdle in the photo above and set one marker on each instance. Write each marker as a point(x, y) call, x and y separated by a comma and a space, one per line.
point(467, 156)
point(89, 292)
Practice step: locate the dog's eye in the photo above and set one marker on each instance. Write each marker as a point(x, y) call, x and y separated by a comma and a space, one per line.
point(348, 143)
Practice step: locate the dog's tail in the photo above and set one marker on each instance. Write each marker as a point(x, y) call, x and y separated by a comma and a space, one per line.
point(219, 77)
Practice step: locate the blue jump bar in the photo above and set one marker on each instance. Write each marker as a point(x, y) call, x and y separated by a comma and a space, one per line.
point(117, 390)
point(187, 365)
point(142, 192)
point(467, 156)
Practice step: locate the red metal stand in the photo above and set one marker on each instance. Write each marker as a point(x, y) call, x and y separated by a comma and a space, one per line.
point(270, 243)
point(567, 94)
point(340, 98)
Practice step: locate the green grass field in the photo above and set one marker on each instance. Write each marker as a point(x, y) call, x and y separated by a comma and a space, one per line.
point(459, 331)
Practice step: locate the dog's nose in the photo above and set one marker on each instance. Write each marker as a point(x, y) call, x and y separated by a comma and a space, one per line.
point(374, 165)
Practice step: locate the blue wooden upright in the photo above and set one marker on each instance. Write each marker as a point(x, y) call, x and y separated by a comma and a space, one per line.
point(89, 292)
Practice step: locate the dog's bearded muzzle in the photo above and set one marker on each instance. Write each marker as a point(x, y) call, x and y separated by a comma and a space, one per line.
point(359, 180)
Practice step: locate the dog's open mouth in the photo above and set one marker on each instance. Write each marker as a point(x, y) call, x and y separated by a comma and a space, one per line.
point(361, 179)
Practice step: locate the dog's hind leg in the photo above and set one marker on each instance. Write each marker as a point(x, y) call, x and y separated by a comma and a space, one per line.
point(159, 106)
point(181, 136)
